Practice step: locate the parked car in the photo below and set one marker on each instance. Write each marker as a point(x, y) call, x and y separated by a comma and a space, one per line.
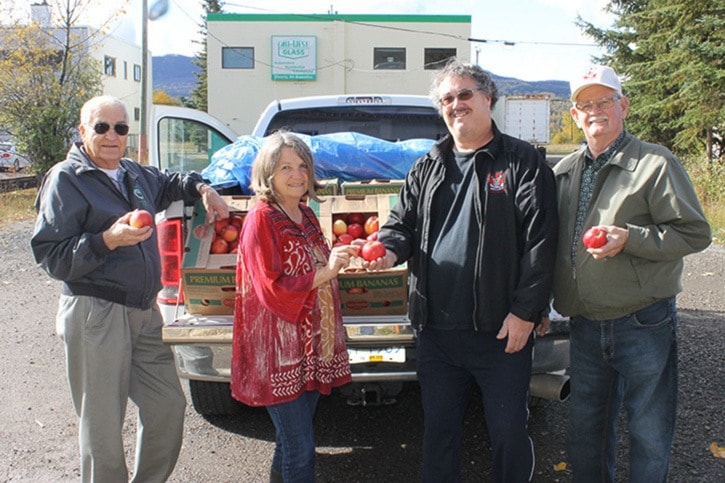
point(382, 348)
point(10, 160)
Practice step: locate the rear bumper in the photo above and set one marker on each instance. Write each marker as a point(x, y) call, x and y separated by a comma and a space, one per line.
point(202, 346)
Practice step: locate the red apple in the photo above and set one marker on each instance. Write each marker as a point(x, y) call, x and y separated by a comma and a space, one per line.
point(594, 238)
point(345, 239)
point(373, 250)
point(230, 233)
point(220, 224)
point(358, 218)
point(339, 227)
point(372, 224)
point(355, 230)
point(140, 219)
point(233, 246)
point(220, 245)
point(236, 220)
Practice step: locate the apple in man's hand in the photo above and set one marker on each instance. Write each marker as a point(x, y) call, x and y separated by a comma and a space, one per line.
point(594, 238)
point(373, 250)
point(140, 219)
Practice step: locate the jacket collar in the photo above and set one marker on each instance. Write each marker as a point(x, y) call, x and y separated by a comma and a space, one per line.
point(627, 158)
point(443, 148)
point(83, 164)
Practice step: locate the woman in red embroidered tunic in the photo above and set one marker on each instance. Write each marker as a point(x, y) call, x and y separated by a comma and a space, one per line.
point(288, 345)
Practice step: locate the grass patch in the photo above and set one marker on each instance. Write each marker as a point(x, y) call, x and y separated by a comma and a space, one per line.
point(709, 181)
point(17, 206)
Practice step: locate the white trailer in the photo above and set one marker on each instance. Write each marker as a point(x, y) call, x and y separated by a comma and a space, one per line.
point(525, 117)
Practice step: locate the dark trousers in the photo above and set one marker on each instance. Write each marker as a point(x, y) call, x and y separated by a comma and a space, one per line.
point(450, 362)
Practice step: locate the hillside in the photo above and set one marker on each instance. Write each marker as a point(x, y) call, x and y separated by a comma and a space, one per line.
point(174, 74)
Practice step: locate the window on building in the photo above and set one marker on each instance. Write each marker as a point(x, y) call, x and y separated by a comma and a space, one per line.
point(390, 58)
point(436, 58)
point(109, 66)
point(237, 57)
point(125, 69)
point(137, 72)
point(136, 113)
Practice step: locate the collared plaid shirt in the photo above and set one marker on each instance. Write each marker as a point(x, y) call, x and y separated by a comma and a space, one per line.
point(586, 187)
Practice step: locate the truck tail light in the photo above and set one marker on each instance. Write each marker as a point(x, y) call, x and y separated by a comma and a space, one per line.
point(171, 248)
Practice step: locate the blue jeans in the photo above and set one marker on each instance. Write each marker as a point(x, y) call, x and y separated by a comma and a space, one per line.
point(450, 364)
point(294, 452)
point(631, 361)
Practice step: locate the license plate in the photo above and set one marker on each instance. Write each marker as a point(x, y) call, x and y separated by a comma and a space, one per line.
point(388, 354)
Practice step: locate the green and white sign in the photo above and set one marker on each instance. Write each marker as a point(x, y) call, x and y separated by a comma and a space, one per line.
point(294, 57)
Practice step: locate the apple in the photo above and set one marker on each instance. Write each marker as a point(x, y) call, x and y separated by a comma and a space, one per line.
point(373, 250)
point(594, 238)
point(373, 236)
point(230, 233)
point(339, 227)
point(220, 245)
point(358, 218)
point(140, 219)
point(355, 230)
point(372, 225)
point(220, 224)
point(345, 239)
point(236, 220)
point(233, 246)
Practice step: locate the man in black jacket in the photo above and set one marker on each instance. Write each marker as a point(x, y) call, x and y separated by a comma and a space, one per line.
point(477, 218)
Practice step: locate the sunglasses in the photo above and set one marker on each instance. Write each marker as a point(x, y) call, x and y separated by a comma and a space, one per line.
point(103, 127)
point(462, 95)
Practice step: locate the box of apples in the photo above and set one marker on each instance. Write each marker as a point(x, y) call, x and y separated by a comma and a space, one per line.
point(210, 256)
point(347, 218)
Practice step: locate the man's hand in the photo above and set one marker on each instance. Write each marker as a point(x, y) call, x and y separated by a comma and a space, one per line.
point(517, 330)
point(616, 240)
point(382, 263)
point(216, 207)
point(121, 234)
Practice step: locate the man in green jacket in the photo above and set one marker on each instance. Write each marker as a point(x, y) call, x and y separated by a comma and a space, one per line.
point(621, 296)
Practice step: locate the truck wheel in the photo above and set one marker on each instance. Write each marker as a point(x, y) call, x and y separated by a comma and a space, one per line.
point(213, 398)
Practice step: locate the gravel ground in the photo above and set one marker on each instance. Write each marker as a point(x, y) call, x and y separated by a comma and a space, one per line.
point(39, 430)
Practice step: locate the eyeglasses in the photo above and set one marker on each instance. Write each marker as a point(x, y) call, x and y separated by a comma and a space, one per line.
point(103, 127)
point(602, 104)
point(462, 95)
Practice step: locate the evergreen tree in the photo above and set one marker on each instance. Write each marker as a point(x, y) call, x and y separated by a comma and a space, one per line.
point(199, 98)
point(671, 56)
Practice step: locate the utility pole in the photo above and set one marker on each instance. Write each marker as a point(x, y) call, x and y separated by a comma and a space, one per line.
point(143, 152)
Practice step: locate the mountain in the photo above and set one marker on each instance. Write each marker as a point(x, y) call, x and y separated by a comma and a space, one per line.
point(174, 74)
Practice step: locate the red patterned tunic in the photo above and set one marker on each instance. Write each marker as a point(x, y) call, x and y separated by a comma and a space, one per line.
point(288, 337)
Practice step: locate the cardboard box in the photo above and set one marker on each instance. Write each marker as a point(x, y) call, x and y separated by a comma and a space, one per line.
point(372, 187)
point(209, 280)
point(329, 187)
point(374, 293)
point(366, 293)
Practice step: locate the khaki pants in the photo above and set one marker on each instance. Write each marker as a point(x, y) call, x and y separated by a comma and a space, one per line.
point(115, 353)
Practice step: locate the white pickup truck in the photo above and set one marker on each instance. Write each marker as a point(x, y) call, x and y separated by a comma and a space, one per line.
point(183, 139)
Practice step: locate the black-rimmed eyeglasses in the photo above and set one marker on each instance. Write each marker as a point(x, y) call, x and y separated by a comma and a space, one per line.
point(462, 95)
point(103, 127)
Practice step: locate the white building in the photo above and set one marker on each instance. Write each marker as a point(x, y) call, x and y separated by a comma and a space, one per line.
point(121, 63)
point(254, 59)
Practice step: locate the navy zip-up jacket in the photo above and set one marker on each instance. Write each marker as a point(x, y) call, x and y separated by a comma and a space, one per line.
point(77, 202)
point(516, 209)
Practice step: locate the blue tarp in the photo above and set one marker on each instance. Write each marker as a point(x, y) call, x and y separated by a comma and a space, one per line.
point(348, 156)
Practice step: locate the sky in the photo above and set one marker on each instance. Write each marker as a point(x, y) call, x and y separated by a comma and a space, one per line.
point(546, 42)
